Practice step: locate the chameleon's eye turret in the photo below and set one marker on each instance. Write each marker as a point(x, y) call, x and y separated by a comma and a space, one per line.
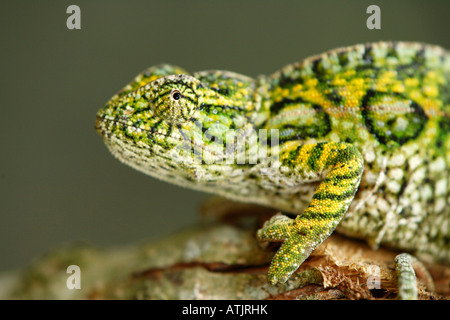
point(174, 98)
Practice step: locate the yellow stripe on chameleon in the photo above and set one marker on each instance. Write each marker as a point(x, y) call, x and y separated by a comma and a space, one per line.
point(314, 224)
point(324, 205)
point(330, 188)
point(328, 151)
point(304, 155)
point(316, 97)
point(288, 147)
point(339, 81)
point(280, 93)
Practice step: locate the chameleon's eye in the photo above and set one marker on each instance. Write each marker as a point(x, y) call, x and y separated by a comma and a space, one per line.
point(175, 98)
point(176, 95)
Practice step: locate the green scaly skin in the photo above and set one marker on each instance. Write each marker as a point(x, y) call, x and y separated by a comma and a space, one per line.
point(355, 139)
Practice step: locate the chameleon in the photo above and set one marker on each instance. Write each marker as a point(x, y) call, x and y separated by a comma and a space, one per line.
point(354, 140)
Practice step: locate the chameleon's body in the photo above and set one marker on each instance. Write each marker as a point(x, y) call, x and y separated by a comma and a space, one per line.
point(363, 136)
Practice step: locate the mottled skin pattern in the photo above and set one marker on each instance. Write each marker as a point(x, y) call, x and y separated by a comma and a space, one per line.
point(356, 139)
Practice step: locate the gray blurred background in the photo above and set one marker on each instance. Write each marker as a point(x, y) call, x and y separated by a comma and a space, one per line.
point(58, 182)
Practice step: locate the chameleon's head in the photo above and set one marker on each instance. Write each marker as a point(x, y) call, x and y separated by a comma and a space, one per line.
point(168, 123)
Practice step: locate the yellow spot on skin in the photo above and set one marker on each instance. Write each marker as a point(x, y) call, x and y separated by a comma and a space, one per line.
point(411, 82)
point(416, 95)
point(430, 91)
point(398, 87)
point(339, 82)
point(390, 74)
point(431, 75)
point(349, 73)
point(297, 87)
point(311, 82)
point(358, 83)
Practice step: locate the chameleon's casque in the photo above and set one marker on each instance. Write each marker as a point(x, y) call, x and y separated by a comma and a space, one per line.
point(355, 139)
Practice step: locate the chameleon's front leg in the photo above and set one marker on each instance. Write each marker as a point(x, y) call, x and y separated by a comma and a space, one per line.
point(340, 165)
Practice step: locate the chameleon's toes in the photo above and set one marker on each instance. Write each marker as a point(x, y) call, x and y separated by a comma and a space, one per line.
point(281, 271)
point(275, 277)
point(295, 249)
point(288, 258)
point(276, 228)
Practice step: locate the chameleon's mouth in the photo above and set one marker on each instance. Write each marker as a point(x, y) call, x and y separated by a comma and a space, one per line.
point(99, 124)
point(106, 126)
point(122, 135)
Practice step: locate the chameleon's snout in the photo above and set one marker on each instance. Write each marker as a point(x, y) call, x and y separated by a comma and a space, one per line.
point(100, 124)
point(97, 124)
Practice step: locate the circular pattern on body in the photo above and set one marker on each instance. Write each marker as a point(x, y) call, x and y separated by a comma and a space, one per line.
point(392, 117)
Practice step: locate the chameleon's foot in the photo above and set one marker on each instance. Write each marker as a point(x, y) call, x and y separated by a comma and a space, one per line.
point(406, 267)
point(294, 250)
point(407, 284)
